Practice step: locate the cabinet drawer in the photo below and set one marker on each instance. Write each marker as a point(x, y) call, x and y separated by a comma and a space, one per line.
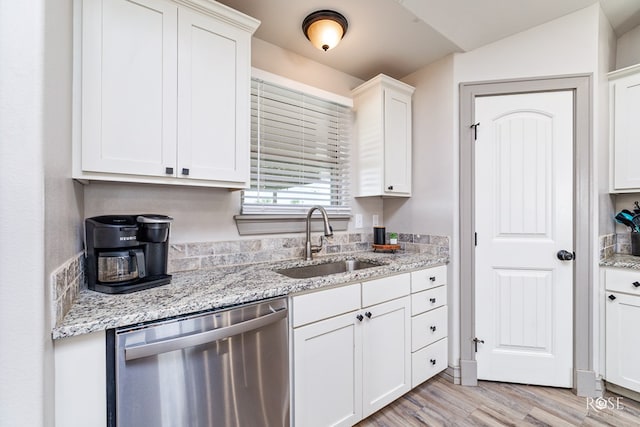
point(428, 361)
point(428, 327)
point(428, 300)
point(428, 278)
point(320, 305)
point(385, 289)
point(622, 281)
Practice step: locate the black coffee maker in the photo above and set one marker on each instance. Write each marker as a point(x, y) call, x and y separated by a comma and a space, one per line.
point(127, 253)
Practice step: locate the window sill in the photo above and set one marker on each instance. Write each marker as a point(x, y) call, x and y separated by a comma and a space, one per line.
point(278, 224)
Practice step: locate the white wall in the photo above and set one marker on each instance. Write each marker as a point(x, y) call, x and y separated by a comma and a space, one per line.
point(276, 60)
point(22, 298)
point(606, 63)
point(578, 43)
point(430, 209)
point(206, 214)
point(63, 198)
point(574, 44)
point(628, 49)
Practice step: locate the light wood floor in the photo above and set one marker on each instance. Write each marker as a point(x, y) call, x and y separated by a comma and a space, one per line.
point(441, 403)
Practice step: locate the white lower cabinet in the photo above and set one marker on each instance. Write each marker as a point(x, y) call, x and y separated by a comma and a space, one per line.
point(80, 380)
point(348, 366)
point(327, 372)
point(429, 326)
point(386, 360)
point(359, 347)
point(622, 318)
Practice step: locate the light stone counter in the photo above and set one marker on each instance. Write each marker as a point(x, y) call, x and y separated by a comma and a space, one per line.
point(218, 288)
point(621, 261)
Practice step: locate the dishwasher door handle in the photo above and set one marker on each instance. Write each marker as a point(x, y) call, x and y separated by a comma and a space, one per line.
point(179, 343)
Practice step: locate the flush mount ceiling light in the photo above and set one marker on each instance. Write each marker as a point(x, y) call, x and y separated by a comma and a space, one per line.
point(325, 28)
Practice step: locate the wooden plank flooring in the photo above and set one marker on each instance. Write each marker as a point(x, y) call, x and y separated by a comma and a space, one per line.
point(441, 403)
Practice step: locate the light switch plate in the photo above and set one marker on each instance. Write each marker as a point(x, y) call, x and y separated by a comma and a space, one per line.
point(358, 220)
point(376, 220)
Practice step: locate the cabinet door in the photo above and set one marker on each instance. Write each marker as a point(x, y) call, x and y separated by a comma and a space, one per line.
point(622, 343)
point(129, 86)
point(386, 358)
point(397, 143)
point(625, 132)
point(327, 372)
point(213, 99)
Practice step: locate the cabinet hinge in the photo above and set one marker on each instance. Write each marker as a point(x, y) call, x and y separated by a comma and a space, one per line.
point(476, 341)
point(475, 130)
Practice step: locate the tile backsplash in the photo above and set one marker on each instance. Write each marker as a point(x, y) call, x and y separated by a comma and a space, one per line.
point(66, 282)
point(194, 256)
point(623, 243)
point(610, 244)
point(68, 279)
point(607, 245)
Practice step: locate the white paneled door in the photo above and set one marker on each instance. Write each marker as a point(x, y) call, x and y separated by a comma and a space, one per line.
point(523, 219)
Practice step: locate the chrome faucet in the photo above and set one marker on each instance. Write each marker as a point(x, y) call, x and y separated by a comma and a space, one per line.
point(328, 232)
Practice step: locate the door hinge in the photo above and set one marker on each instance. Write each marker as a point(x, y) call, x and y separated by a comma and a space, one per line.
point(476, 341)
point(475, 130)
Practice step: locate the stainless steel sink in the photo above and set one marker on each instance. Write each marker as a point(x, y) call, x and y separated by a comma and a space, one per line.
point(315, 270)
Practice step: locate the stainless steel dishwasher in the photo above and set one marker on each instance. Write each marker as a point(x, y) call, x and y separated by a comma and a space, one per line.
point(225, 368)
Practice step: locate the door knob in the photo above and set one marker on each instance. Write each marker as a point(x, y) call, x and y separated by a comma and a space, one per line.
point(565, 255)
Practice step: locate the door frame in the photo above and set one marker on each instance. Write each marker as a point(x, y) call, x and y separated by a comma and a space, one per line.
point(585, 382)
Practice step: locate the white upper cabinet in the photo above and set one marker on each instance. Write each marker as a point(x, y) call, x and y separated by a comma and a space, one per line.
point(625, 133)
point(383, 121)
point(164, 93)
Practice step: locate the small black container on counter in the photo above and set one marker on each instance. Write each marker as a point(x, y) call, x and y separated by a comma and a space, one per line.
point(379, 235)
point(635, 244)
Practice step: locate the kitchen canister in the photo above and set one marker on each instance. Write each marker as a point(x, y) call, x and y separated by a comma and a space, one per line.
point(379, 235)
point(635, 244)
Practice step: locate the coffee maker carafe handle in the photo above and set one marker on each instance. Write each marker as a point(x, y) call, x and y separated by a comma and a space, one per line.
point(142, 266)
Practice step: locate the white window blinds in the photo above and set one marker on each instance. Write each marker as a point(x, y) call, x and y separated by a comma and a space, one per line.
point(299, 152)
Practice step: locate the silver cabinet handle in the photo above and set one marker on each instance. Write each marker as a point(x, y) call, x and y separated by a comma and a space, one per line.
point(178, 343)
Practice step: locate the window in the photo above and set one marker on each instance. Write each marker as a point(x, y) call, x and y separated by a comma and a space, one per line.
point(299, 152)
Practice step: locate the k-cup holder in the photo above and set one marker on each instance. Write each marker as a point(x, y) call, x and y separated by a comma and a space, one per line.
point(379, 235)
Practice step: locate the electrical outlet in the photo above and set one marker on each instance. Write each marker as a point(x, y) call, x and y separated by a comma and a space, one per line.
point(375, 220)
point(358, 220)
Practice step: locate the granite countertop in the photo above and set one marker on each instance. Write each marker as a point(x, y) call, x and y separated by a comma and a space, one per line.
point(621, 261)
point(218, 288)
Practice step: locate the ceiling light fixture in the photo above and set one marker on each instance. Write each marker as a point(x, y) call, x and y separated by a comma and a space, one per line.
point(325, 28)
